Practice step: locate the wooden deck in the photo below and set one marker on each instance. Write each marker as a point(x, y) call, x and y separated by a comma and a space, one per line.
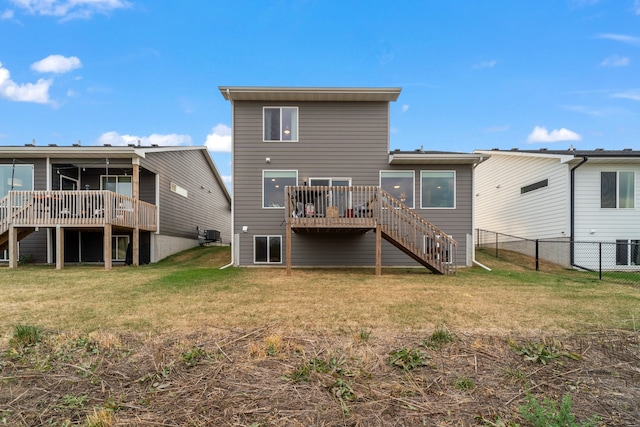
point(23, 211)
point(359, 209)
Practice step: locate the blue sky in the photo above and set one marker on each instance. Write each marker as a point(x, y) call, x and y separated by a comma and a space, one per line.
point(475, 74)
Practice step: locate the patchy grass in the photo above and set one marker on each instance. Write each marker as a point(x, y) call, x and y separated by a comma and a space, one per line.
point(185, 343)
point(188, 291)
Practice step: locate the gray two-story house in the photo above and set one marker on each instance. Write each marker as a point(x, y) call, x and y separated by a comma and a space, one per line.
point(315, 184)
point(134, 204)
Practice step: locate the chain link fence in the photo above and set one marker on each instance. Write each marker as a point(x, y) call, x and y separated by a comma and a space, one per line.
point(615, 261)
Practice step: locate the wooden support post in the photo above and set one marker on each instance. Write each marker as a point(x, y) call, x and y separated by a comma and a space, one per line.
point(378, 250)
point(288, 248)
point(107, 246)
point(59, 247)
point(135, 252)
point(13, 247)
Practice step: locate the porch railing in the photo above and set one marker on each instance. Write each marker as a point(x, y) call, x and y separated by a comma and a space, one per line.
point(75, 208)
point(364, 207)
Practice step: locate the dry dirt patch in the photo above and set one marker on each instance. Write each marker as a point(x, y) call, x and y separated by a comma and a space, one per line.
point(270, 377)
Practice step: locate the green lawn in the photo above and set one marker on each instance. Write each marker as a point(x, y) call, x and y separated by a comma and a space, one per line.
point(189, 292)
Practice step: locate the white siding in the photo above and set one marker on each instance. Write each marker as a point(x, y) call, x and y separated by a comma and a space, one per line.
point(543, 213)
point(593, 223)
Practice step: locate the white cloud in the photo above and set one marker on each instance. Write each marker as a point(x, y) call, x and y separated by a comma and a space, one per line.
point(219, 139)
point(114, 138)
point(633, 94)
point(7, 14)
point(485, 64)
point(405, 108)
point(620, 38)
point(37, 92)
point(615, 61)
point(541, 134)
point(70, 9)
point(56, 64)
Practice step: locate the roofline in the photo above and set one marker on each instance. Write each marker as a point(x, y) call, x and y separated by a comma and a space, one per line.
point(436, 158)
point(597, 156)
point(122, 152)
point(564, 158)
point(273, 93)
point(216, 173)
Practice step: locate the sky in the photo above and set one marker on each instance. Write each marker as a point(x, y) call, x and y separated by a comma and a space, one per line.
point(475, 75)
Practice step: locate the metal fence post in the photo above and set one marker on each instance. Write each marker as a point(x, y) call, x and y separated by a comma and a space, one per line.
point(496, 245)
point(600, 259)
point(537, 263)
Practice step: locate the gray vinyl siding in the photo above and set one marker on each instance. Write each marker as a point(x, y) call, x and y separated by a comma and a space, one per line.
point(206, 207)
point(336, 140)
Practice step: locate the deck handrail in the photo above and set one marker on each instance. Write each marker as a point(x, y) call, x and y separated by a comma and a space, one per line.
point(416, 234)
point(367, 207)
point(4, 214)
point(46, 208)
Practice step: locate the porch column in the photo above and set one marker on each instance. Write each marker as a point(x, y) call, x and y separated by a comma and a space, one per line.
point(135, 252)
point(59, 247)
point(378, 250)
point(107, 247)
point(13, 246)
point(288, 248)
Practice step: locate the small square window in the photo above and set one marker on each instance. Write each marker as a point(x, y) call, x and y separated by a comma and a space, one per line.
point(617, 190)
point(400, 184)
point(267, 249)
point(438, 189)
point(281, 124)
point(273, 184)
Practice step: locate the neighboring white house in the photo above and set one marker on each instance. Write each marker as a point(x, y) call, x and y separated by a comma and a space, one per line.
point(573, 195)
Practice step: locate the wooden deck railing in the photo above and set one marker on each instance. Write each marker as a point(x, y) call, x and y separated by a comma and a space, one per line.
point(75, 208)
point(364, 207)
point(321, 206)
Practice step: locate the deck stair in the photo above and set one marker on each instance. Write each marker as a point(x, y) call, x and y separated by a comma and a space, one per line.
point(365, 208)
point(415, 236)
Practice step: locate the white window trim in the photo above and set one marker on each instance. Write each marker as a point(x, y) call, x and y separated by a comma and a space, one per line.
point(275, 170)
point(264, 108)
point(617, 172)
point(413, 185)
point(455, 189)
point(268, 236)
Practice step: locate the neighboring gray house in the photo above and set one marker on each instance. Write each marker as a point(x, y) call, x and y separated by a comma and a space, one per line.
point(135, 204)
point(570, 195)
point(315, 184)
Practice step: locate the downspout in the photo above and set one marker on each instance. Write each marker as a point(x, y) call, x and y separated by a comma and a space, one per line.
point(473, 243)
point(573, 208)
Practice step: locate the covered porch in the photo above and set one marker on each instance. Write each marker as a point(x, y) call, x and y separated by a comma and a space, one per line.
point(22, 212)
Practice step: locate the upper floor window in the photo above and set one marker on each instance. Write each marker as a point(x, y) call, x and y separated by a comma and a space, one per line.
point(15, 178)
point(280, 123)
point(617, 190)
point(399, 184)
point(437, 189)
point(273, 183)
